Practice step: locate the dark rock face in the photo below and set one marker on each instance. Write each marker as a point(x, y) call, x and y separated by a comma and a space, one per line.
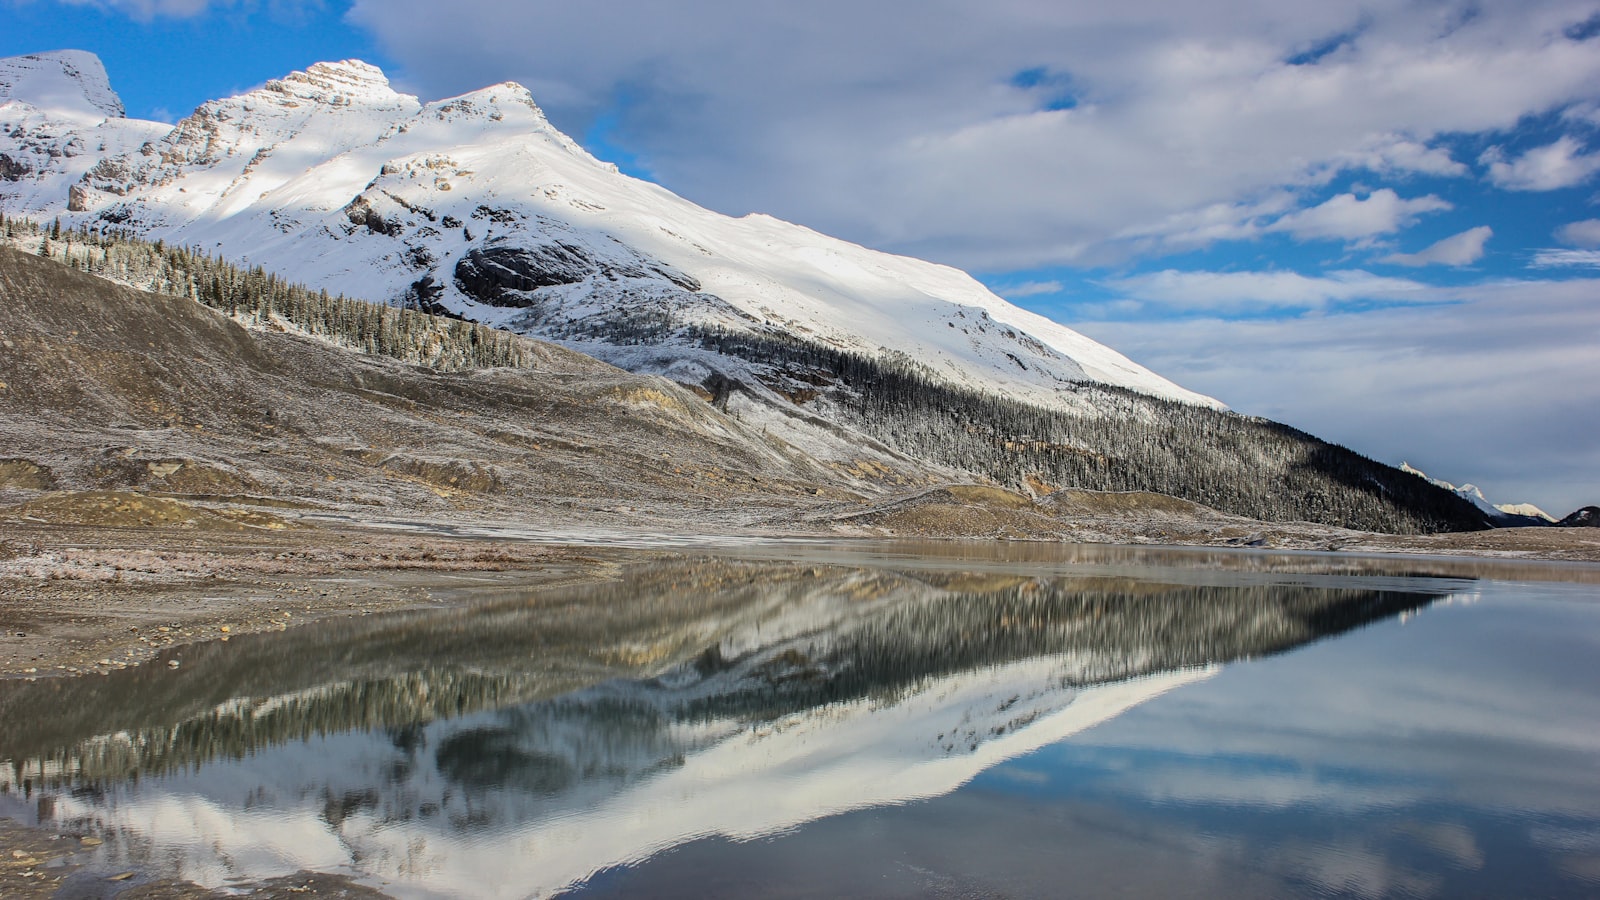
point(495, 275)
point(423, 296)
point(1588, 517)
point(119, 214)
point(360, 212)
point(502, 276)
point(12, 169)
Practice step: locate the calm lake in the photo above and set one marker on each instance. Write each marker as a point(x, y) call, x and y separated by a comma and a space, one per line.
point(869, 721)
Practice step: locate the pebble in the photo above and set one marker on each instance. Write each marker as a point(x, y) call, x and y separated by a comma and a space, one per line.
point(173, 664)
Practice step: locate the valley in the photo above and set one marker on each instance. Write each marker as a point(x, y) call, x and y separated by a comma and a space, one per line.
point(399, 500)
point(169, 471)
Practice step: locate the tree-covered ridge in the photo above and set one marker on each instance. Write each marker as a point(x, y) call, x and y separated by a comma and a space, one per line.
point(259, 298)
point(1239, 464)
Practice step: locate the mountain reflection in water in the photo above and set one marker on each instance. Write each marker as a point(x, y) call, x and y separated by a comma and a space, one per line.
point(519, 746)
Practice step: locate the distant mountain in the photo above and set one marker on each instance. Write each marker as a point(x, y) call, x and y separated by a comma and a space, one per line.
point(476, 207)
point(1588, 517)
point(71, 84)
point(1504, 515)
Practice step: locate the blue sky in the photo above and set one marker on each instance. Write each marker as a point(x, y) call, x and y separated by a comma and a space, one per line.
point(1378, 221)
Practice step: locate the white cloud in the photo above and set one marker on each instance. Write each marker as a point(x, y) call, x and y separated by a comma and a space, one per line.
point(1498, 388)
point(1028, 289)
point(1209, 224)
point(1234, 292)
point(1588, 113)
point(1566, 259)
point(1398, 154)
point(1580, 234)
point(1350, 218)
point(1546, 168)
point(905, 131)
point(1462, 249)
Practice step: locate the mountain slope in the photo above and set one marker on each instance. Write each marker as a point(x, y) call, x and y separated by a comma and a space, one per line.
point(103, 387)
point(1587, 517)
point(867, 419)
point(477, 207)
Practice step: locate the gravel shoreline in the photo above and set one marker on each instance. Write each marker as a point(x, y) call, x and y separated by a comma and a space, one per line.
point(81, 601)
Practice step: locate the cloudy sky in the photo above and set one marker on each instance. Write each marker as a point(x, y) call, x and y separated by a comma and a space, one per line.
point(1377, 221)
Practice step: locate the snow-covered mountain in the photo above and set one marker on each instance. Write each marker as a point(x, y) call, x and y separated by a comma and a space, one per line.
point(477, 206)
point(59, 118)
point(1502, 513)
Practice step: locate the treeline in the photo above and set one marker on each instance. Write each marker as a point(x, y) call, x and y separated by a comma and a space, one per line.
point(257, 297)
point(237, 731)
point(1130, 442)
point(1110, 636)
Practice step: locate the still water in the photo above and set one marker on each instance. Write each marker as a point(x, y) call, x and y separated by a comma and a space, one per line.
point(879, 722)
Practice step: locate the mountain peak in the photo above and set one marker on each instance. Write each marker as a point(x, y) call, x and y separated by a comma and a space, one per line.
point(338, 83)
point(63, 81)
point(507, 92)
point(349, 68)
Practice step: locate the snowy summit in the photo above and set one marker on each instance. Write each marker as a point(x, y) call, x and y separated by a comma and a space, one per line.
point(477, 206)
point(66, 82)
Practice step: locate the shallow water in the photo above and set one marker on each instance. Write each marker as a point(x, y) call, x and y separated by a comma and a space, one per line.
point(871, 720)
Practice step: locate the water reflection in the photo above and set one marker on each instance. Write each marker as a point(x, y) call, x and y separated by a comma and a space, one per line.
point(519, 747)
